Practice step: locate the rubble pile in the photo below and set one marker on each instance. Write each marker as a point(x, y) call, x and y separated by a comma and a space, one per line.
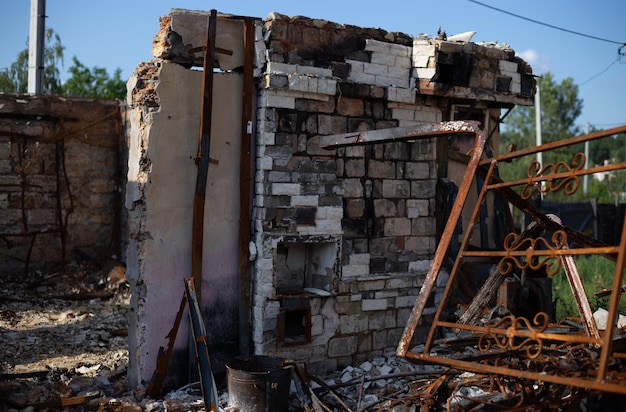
point(63, 346)
point(63, 336)
point(388, 383)
point(380, 384)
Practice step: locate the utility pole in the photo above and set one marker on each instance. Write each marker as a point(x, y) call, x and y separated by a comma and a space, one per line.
point(538, 140)
point(36, 40)
point(538, 123)
point(586, 177)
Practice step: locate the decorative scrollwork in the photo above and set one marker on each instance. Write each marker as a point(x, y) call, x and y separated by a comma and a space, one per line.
point(569, 181)
point(510, 339)
point(527, 258)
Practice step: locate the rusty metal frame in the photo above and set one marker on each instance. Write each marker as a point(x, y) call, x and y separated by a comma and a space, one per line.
point(521, 337)
point(511, 336)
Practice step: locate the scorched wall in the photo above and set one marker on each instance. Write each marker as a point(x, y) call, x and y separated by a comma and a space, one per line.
point(340, 239)
point(61, 181)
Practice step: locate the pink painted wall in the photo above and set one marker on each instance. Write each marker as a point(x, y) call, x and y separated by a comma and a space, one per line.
point(161, 182)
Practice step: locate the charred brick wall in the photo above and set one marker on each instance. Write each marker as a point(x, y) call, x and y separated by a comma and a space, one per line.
point(60, 180)
point(341, 239)
point(363, 216)
point(344, 237)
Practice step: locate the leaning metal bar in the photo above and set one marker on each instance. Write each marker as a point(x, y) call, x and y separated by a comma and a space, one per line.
point(509, 332)
point(558, 144)
point(620, 264)
point(202, 158)
point(535, 214)
point(444, 243)
point(607, 385)
point(578, 290)
point(198, 331)
point(555, 252)
point(466, 238)
point(562, 175)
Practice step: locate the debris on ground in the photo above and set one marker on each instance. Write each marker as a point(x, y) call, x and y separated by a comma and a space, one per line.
point(63, 336)
point(63, 346)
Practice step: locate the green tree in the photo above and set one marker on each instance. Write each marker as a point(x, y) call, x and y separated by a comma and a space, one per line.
point(14, 79)
point(94, 82)
point(560, 107)
point(83, 82)
point(610, 148)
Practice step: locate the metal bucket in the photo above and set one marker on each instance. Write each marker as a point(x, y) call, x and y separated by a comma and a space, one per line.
point(258, 384)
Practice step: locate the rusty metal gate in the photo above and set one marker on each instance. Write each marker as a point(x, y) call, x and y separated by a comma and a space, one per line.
point(535, 351)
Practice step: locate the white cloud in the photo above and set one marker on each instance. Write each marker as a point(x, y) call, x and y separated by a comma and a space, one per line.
point(538, 62)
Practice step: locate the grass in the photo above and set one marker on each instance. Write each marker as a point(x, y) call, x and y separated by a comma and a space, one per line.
point(596, 273)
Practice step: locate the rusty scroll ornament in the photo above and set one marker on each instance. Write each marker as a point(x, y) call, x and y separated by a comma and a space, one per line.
point(557, 176)
point(502, 333)
point(521, 253)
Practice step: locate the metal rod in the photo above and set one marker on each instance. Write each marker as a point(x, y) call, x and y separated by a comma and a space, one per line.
point(558, 144)
point(209, 390)
point(620, 265)
point(197, 235)
point(466, 238)
point(245, 188)
point(444, 243)
point(605, 386)
point(163, 358)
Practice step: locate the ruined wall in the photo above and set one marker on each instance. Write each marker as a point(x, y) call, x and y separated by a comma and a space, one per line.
point(165, 102)
point(60, 180)
point(345, 236)
point(340, 239)
point(371, 208)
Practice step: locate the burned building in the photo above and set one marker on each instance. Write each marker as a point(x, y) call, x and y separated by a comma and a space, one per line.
point(311, 254)
point(320, 193)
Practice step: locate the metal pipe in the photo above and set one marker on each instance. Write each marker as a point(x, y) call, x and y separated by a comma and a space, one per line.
point(209, 389)
point(246, 168)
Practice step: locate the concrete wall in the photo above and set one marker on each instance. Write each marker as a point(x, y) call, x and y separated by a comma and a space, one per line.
point(61, 164)
point(165, 106)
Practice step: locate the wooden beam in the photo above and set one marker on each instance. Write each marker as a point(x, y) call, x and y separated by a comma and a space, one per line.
point(421, 131)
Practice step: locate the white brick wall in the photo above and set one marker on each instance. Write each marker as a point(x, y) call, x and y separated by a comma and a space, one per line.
point(424, 73)
point(373, 304)
point(389, 65)
point(360, 259)
point(286, 189)
point(304, 200)
point(402, 95)
point(270, 98)
point(507, 66)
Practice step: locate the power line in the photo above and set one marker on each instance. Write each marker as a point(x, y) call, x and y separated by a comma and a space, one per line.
point(621, 43)
point(599, 74)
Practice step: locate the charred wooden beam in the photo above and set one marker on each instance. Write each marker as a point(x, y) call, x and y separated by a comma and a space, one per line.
point(422, 131)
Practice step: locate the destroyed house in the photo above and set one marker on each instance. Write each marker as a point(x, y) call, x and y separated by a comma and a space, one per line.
point(304, 251)
point(312, 192)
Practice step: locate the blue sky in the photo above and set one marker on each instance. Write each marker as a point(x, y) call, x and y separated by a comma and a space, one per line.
point(118, 34)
